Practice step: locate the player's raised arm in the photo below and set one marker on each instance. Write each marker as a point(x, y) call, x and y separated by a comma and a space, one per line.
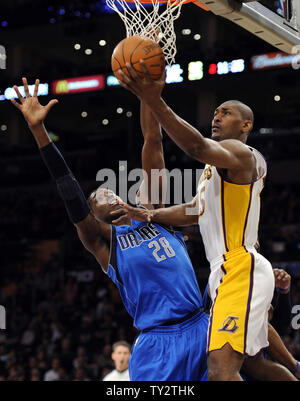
point(94, 235)
point(152, 190)
point(228, 154)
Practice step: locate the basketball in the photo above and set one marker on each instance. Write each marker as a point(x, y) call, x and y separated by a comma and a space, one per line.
point(132, 50)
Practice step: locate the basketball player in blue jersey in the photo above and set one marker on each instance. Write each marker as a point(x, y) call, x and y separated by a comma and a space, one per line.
point(148, 262)
point(227, 209)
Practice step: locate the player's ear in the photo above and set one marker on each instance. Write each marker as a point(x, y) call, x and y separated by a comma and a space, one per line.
point(247, 126)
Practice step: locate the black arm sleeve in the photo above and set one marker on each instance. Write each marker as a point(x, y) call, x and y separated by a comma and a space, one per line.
point(68, 188)
point(282, 313)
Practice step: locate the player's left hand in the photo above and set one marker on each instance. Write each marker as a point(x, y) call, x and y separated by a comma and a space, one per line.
point(33, 112)
point(282, 279)
point(119, 217)
point(146, 88)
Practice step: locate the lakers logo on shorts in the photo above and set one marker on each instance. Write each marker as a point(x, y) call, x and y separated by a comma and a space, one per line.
point(230, 324)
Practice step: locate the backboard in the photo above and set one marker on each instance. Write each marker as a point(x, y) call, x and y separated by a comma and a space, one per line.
point(275, 21)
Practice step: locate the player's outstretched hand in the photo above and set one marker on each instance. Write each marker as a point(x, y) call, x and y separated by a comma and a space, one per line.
point(282, 280)
point(134, 213)
point(33, 112)
point(146, 89)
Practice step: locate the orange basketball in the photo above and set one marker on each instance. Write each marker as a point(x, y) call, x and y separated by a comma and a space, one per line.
point(132, 50)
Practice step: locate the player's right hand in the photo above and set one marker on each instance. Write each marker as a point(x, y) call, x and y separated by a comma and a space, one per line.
point(282, 279)
point(146, 88)
point(33, 112)
point(134, 213)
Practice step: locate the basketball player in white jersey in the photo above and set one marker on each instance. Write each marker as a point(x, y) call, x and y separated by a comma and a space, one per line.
point(228, 208)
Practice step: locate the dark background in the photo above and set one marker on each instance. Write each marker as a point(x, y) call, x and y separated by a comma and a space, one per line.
point(58, 302)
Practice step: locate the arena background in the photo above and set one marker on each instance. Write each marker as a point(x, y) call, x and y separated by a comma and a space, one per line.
point(58, 302)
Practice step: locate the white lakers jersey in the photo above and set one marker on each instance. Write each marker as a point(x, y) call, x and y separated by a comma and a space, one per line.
point(228, 214)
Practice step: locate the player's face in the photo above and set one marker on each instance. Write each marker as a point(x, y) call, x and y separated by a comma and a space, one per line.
point(120, 356)
point(227, 123)
point(103, 201)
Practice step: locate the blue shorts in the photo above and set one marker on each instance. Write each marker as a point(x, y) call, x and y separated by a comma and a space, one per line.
point(171, 353)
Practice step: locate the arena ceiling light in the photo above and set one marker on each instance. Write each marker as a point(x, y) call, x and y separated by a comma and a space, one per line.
point(225, 67)
point(111, 80)
point(9, 93)
point(173, 73)
point(195, 70)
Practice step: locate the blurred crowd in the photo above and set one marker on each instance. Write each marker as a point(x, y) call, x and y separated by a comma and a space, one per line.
point(60, 326)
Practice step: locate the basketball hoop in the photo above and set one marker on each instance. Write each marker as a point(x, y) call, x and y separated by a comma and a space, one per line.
point(153, 19)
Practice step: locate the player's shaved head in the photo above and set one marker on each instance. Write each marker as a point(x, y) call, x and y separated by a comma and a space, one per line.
point(245, 111)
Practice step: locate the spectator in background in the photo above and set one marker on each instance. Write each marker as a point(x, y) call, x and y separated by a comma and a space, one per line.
point(62, 376)
point(52, 374)
point(35, 375)
point(12, 373)
point(66, 354)
point(41, 360)
point(105, 357)
point(16, 373)
point(81, 358)
point(80, 375)
point(120, 356)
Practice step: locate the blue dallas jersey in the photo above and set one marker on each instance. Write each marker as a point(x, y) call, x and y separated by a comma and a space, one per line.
point(154, 274)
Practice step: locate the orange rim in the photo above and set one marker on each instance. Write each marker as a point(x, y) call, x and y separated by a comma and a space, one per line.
point(197, 3)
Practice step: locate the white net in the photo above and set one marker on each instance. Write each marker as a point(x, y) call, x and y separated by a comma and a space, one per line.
point(154, 21)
